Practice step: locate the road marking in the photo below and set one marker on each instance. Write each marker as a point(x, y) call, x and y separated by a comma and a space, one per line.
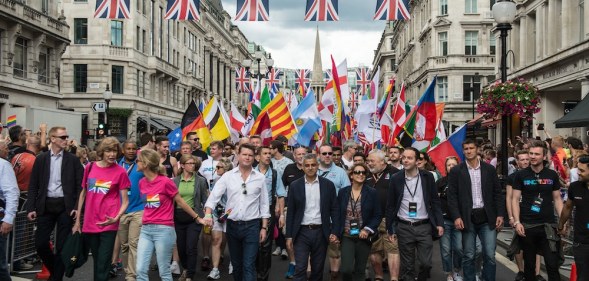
point(14, 278)
point(506, 262)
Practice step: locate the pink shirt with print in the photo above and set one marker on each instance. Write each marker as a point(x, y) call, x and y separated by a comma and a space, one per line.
point(103, 197)
point(158, 196)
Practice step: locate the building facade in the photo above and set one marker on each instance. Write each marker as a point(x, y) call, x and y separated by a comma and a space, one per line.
point(452, 40)
point(33, 36)
point(154, 67)
point(549, 41)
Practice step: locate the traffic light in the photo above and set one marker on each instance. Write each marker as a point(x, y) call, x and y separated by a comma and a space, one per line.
point(101, 130)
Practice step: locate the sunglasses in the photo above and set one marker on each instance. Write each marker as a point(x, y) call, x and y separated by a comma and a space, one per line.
point(244, 190)
point(195, 139)
point(359, 173)
point(220, 167)
point(326, 153)
point(62, 137)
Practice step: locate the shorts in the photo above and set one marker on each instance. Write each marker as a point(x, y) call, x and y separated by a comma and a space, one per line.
point(383, 246)
point(220, 227)
point(334, 251)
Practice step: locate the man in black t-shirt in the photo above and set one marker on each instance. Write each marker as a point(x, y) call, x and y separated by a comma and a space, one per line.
point(539, 189)
point(579, 198)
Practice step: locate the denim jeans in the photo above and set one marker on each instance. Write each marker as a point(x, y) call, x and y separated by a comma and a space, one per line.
point(488, 238)
point(243, 238)
point(451, 247)
point(162, 239)
point(4, 275)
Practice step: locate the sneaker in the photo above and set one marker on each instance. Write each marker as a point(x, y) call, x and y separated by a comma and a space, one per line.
point(230, 268)
point(457, 276)
point(214, 275)
point(276, 252)
point(113, 270)
point(205, 264)
point(183, 276)
point(290, 272)
point(23, 266)
point(540, 278)
point(174, 267)
point(449, 278)
point(520, 276)
point(284, 254)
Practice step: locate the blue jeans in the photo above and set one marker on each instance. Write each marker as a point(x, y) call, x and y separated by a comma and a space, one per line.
point(4, 275)
point(162, 238)
point(243, 238)
point(451, 247)
point(488, 238)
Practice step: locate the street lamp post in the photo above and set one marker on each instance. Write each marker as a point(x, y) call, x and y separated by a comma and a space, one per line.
point(504, 14)
point(107, 95)
point(258, 56)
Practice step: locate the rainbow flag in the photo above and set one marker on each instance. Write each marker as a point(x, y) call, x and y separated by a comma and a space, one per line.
point(153, 201)
point(11, 121)
point(339, 108)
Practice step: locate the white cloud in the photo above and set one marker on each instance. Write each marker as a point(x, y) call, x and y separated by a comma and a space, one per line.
point(291, 40)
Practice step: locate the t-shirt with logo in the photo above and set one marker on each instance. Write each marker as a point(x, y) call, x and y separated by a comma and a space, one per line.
point(208, 169)
point(158, 197)
point(22, 164)
point(537, 205)
point(579, 193)
point(103, 195)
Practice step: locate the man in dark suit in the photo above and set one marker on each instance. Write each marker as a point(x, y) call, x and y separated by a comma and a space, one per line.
point(477, 205)
point(312, 207)
point(413, 215)
point(53, 194)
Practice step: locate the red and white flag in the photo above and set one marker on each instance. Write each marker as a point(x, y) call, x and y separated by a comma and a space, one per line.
point(399, 113)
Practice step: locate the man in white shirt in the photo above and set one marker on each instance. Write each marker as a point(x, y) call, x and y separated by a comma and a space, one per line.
point(348, 154)
point(9, 195)
point(248, 204)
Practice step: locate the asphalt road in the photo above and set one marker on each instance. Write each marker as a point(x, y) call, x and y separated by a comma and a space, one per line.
point(505, 270)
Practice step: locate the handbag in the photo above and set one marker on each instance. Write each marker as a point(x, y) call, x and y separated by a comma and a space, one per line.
point(478, 216)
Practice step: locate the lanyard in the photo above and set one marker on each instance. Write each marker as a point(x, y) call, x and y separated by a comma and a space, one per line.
point(354, 203)
point(414, 190)
point(376, 179)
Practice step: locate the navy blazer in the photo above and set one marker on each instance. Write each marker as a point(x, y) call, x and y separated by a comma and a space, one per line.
point(370, 208)
point(71, 179)
point(460, 194)
point(296, 208)
point(430, 198)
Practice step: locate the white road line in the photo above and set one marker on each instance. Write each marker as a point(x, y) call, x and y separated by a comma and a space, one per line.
point(14, 278)
point(506, 262)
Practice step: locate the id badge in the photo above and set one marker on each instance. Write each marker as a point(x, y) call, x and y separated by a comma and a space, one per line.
point(354, 229)
point(587, 225)
point(412, 209)
point(536, 206)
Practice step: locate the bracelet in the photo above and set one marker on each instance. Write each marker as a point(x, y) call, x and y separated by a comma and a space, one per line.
point(510, 218)
point(265, 228)
point(516, 223)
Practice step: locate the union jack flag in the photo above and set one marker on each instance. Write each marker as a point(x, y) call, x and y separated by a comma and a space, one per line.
point(321, 10)
point(112, 9)
point(392, 10)
point(242, 80)
point(303, 80)
point(362, 80)
point(327, 75)
point(183, 10)
point(252, 10)
point(273, 80)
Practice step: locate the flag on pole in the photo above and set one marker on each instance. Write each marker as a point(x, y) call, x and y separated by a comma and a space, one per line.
point(183, 10)
point(306, 117)
point(215, 121)
point(399, 113)
point(392, 10)
point(373, 94)
point(236, 121)
point(362, 80)
point(252, 10)
point(302, 80)
point(450, 147)
point(192, 121)
point(273, 81)
point(113, 9)
point(423, 145)
point(426, 114)
point(339, 108)
point(321, 10)
point(242, 80)
point(11, 121)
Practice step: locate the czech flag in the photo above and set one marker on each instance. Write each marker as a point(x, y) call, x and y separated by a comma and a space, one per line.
point(452, 146)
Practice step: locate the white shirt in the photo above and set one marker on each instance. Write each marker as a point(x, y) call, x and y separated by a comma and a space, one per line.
point(347, 163)
point(412, 184)
point(244, 207)
point(9, 191)
point(312, 214)
point(208, 169)
point(475, 182)
point(54, 188)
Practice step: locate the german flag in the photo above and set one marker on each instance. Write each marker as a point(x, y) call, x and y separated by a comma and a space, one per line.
point(192, 121)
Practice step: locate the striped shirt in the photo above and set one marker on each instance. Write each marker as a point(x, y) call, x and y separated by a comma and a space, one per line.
point(475, 182)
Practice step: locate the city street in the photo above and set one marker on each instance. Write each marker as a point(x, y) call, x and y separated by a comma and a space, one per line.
point(505, 270)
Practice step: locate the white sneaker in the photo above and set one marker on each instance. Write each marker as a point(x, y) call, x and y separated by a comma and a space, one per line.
point(457, 276)
point(174, 267)
point(284, 254)
point(276, 252)
point(230, 268)
point(214, 275)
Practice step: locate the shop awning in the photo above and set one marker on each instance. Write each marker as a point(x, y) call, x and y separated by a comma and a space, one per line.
point(166, 123)
point(483, 122)
point(578, 117)
point(151, 122)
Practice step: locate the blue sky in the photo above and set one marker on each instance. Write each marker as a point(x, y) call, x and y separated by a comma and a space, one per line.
point(291, 40)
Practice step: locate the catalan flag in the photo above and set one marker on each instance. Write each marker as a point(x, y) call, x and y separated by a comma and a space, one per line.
point(279, 116)
point(11, 121)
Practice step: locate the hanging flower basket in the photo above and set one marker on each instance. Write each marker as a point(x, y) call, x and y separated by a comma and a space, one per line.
point(512, 97)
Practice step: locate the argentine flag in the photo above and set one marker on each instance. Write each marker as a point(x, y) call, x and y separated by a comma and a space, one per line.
point(306, 117)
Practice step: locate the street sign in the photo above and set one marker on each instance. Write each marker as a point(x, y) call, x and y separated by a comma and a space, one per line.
point(99, 106)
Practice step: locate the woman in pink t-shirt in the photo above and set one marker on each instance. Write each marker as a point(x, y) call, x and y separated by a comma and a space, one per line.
point(159, 194)
point(104, 190)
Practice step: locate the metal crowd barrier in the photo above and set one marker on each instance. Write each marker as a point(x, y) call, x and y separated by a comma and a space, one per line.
point(22, 240)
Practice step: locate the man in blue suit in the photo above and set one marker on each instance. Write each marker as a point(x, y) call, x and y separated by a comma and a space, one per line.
point(312, 207)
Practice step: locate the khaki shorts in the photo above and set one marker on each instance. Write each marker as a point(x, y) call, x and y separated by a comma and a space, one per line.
point(333, 251)
point(383, 246)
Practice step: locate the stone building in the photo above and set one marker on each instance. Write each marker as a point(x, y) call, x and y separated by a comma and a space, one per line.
point(154, 67)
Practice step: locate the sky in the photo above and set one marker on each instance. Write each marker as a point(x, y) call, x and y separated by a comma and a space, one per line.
point(291, 40)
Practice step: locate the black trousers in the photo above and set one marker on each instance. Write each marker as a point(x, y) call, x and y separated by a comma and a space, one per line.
point(412, 240)
point(535, 242)
point(187, 243)
point(309, 243)
point(53, 216)
point(264, 257)
point(581, 252)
